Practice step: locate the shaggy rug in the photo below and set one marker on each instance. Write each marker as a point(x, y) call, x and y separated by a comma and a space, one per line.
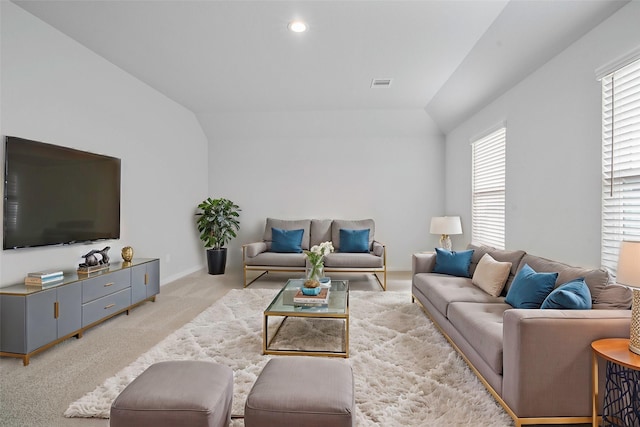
point(406, 373)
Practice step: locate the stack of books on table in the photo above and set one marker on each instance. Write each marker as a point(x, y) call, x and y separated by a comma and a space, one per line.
point(44, 278)
point(311, 300)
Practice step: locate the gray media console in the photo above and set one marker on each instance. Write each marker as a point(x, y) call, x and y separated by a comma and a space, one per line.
point(33, 318)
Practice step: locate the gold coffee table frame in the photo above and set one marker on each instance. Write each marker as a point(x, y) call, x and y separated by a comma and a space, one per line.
point(283, 306)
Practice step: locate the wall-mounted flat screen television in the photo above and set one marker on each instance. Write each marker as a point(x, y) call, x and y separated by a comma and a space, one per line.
point(56, 195)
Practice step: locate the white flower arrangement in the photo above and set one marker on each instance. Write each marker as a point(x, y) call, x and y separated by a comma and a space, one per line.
point(317, 253)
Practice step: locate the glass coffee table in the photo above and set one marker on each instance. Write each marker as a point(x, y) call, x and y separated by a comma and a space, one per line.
point(337, 308)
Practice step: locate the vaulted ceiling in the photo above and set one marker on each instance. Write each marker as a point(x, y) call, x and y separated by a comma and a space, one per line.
point(449, 57)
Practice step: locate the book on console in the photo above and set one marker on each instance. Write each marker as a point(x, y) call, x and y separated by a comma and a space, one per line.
point(321, 298)
point(42, 282)
point(45, 274)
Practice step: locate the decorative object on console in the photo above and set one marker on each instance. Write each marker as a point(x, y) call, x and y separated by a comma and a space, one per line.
point(628, 273)
point(445, 226)
point(46, 274)
point(44, 278)
point(90, 258)
point(217, 223)
point(315, 256)
point(127, 254)
point(43, 282)
point(92, 263)
point(104, 254)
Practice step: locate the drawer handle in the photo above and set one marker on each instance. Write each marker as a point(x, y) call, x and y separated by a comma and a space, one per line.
point(146, 279)
point(108, 284)
point(109, 306)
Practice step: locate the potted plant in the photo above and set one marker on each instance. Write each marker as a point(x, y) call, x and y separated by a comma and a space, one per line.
point(217, 223)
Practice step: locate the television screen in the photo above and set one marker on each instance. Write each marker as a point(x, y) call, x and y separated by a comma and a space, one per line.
point(56, 195)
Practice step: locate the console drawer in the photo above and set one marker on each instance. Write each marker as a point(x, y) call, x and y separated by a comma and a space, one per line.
point(105, 306)
point(102, 285)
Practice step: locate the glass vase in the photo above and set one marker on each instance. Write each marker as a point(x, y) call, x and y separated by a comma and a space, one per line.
point(315, 272)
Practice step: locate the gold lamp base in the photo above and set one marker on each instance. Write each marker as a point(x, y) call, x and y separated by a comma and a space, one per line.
point(634, 335)
point(445, 242)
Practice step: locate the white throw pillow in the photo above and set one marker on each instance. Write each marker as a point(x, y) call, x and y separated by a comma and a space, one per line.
point(491, 275)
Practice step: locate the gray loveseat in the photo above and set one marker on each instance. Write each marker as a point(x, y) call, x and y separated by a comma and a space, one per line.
point(535, 362)
point(259, 256)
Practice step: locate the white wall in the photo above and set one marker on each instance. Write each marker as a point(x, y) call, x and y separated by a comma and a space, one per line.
point(55, 90)
point(385, 165)
point(553, 122)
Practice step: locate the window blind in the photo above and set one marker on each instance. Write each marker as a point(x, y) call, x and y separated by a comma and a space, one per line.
point(488, 189)
point(620, 161)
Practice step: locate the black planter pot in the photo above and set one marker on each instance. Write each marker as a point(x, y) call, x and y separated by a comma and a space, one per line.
point(216, 260)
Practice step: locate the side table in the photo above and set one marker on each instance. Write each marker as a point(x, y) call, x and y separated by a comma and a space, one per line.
point(621, 405)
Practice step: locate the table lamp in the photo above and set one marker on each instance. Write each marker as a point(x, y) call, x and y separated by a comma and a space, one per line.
point(445, 226)
point(628, 274)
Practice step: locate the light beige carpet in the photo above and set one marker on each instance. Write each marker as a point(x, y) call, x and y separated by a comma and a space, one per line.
point(406, 374)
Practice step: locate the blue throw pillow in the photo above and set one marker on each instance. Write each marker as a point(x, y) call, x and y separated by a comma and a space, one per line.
point(574, 295)
point(529, 289)
point(354, 240)
point(286, 241)
point(452, 262)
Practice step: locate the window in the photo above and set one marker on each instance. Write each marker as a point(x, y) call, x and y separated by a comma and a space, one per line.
point(620, 161)
point(488, 189)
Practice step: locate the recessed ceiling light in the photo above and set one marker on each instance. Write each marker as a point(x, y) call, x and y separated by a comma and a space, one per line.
point(297, 26)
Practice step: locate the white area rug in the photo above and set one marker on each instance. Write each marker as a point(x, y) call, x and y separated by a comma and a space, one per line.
point(406, 374)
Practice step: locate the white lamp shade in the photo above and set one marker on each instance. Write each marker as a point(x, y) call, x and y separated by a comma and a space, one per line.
point(628, 272)
point(445, 225)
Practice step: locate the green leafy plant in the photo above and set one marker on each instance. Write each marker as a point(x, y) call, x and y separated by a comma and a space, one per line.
point(217, 222)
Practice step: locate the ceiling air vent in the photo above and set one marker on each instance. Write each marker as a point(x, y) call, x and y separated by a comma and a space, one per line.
point(381, 82)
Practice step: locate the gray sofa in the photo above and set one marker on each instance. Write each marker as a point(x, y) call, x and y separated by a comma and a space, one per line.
point(259, 257)
point(535, 362)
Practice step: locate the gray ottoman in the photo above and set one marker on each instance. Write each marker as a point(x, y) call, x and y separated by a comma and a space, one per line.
point(177, 393)
point(304, 392)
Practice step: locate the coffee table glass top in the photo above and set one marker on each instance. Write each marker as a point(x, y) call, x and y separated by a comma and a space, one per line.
point(338, 299)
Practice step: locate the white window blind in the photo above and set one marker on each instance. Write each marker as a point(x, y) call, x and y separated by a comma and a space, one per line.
point(488, 189)
point(620, 161)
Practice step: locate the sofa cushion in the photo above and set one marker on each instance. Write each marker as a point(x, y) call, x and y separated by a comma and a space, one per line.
point(502, 255)
point(514, 257)
point(361, 224)
point(354, 240)
point(274, 259)
point(286, 241)
point(286, 224)
point(573, 295)
point(478, 253)
point(481, 325)
point(452, 262)
point(320, 231)
point(491, 275)
point(596, 279)
point(352, 260)
point(614, 296)
point(443, 289)
point(529, 288)
point(378, 248)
